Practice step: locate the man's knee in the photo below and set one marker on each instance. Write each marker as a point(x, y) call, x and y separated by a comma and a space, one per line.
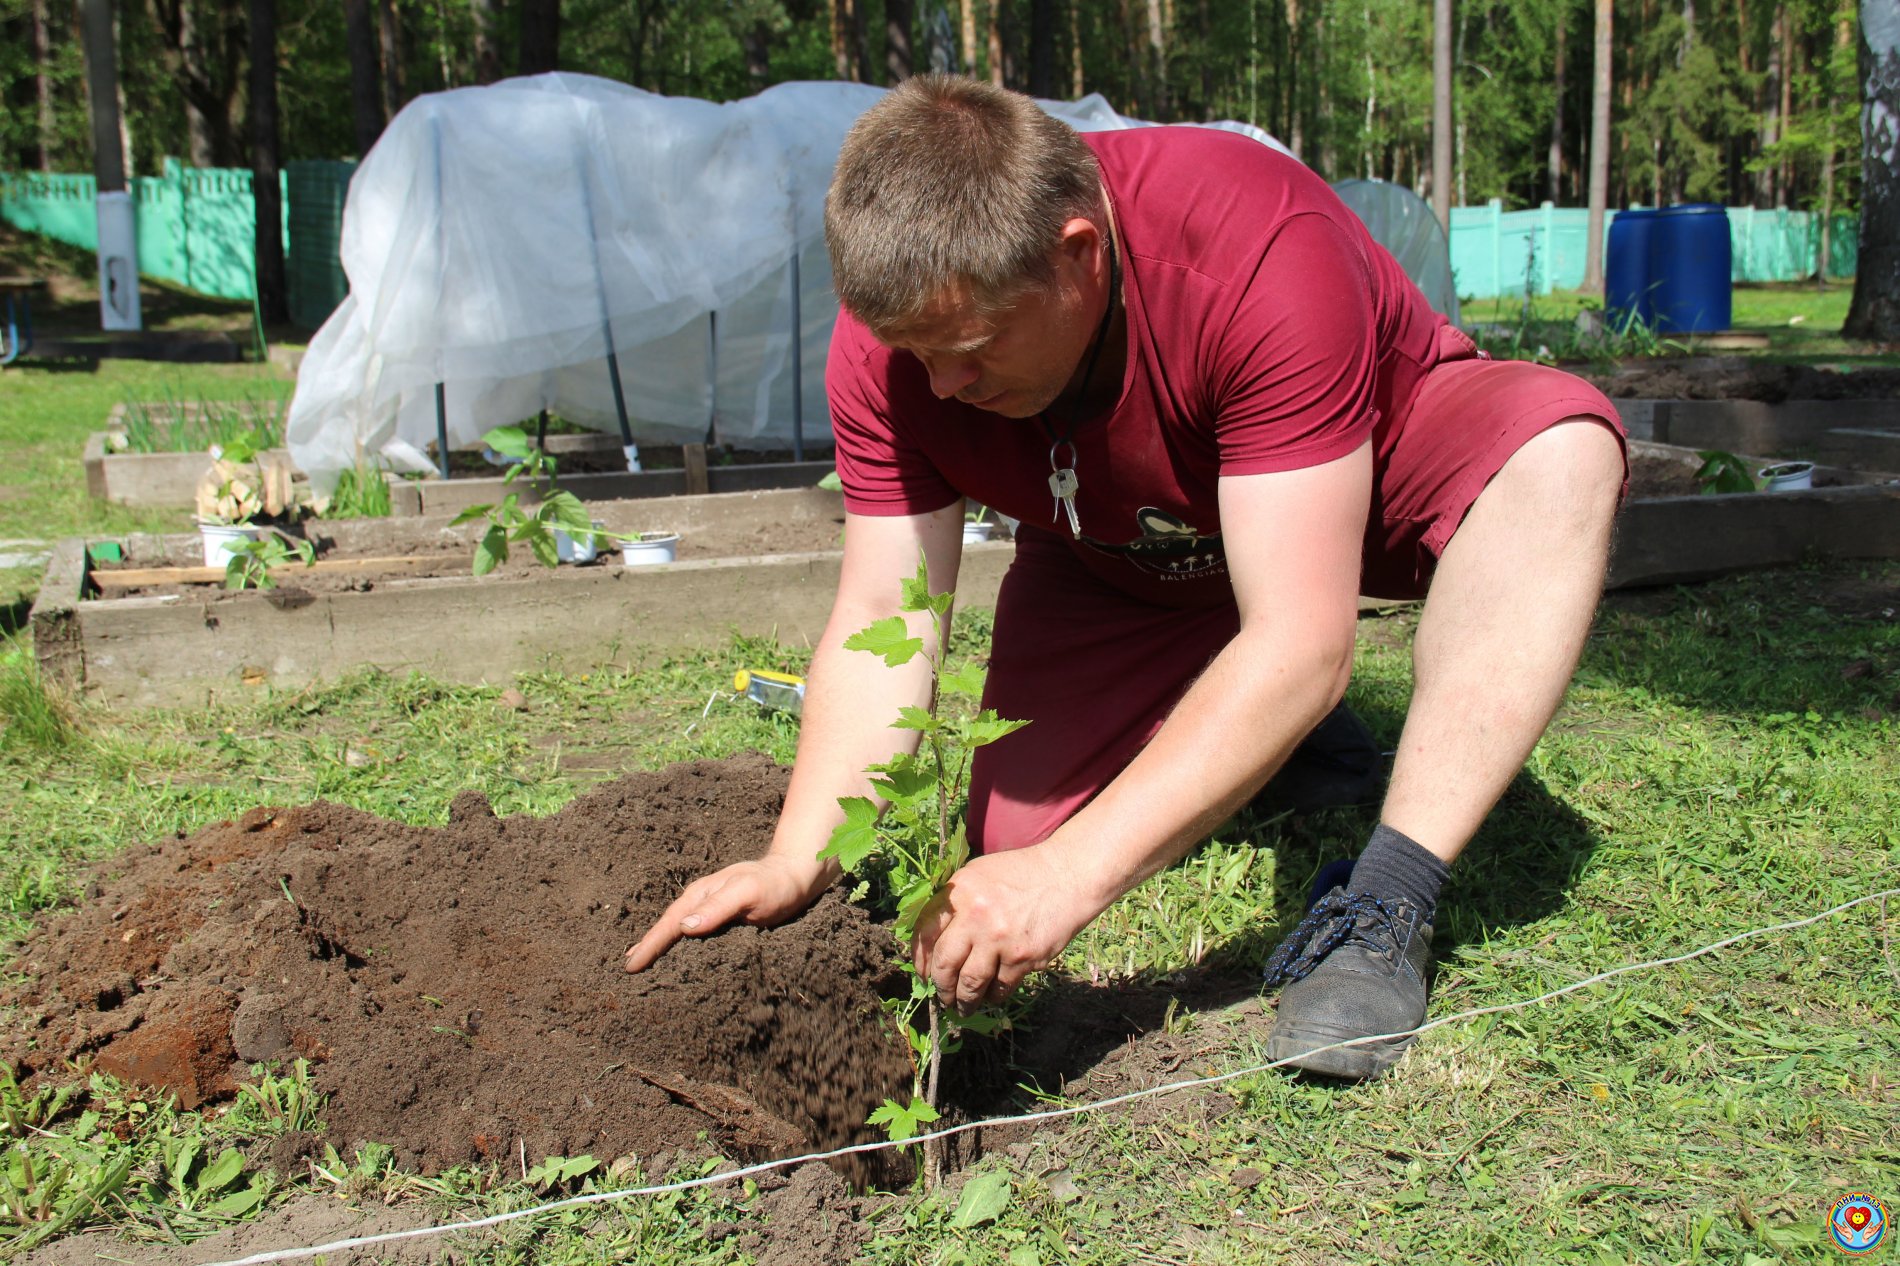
point(1573, 471)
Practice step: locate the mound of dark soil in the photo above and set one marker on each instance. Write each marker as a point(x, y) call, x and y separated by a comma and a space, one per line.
point(1740, 378)
point(459, 989)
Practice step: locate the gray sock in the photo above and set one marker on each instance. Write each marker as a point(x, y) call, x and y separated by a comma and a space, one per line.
point(1395, 867)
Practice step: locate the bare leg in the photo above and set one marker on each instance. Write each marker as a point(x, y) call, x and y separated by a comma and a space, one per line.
point(1505, 622)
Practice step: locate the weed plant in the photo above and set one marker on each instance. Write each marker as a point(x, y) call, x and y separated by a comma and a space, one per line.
point(174, 424)
point(362, 492)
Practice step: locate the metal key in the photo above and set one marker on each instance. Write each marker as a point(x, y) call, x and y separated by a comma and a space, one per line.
point(1063, 483)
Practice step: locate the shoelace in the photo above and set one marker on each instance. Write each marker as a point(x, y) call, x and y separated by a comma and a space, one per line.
point(1332, 920)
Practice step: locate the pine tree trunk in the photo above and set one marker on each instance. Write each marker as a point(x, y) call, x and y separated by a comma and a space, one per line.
point(273, 293)
point(1295, 138)
point(1786, 174)
point(1875, 310)
point(1441, 112)
point(41, 52)
point(487, 55)
point(899, 61)
point(389, 30)
point(540, 50)
point(102, 95)
point(1599, 149)
point(1771, 118)
point(365, 81)
point(1158, 51)
point(1554, 164)
point(993, 28)
point(967, 13)
point(1076, 77)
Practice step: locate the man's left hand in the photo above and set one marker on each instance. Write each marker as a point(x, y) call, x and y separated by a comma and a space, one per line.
point(1001, 917)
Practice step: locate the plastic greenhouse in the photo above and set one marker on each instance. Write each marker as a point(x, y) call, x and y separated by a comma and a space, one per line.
point(643, 264)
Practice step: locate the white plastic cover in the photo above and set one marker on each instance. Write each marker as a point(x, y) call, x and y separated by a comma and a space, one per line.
point(500, 240)
point(1403, 223)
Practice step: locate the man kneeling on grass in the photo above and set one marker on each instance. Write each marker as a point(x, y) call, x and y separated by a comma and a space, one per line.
point(1222, 412)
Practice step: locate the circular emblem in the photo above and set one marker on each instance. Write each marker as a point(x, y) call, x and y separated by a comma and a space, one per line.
point(1858, 1223)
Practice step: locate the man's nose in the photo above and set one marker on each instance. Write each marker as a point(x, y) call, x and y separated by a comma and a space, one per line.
point(948, 377)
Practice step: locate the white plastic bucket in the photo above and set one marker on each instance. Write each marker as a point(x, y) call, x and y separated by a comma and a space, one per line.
point(975, 532)
point(650, 549)
point(572, 549)
point(1786, 477)
point(221, 538)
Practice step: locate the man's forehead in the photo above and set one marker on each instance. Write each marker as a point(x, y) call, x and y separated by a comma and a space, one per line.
point(950, 319)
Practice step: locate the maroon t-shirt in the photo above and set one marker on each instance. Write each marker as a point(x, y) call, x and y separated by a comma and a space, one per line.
point(1267, 331)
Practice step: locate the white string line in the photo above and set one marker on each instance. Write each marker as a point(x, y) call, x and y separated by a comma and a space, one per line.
point(1051, 1114)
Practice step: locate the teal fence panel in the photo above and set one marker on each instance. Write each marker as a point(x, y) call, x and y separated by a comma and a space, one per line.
point(195, 226)
point(1498, 252)
point(59, 207)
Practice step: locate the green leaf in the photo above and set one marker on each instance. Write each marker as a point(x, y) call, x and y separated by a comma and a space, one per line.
point(831, 482)
point(983, 1022)
point(575, 1166)
point(889, 637)
point(984, 1199)
point(565, 511)
point(470, 515)
point(221, 1172)
point(541, 542)
point(900, 1121)
point(911, 718)
point(910, 904)
point(904, 779)
point(967, 680)
point(492, 550)
point(182, 1161)
point(855, 839)
point(237, 1204)
point(986, 727)
point(509, 441)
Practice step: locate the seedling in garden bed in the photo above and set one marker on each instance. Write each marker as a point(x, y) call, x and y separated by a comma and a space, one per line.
point(253, 561)
point(1723, 472)
point(919, 841)
point(509, 524)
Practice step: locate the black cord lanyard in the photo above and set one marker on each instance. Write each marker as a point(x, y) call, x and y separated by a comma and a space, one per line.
point(1063, 482)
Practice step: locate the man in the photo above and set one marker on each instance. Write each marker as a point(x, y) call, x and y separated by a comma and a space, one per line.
point(1222, 412)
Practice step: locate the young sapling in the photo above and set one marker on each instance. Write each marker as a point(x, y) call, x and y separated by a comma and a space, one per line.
point(918, 841)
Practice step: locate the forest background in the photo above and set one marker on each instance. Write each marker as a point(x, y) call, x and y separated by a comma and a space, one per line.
point(1743, 102)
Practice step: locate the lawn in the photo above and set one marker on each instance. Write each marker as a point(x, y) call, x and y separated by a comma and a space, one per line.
point(1726, 760)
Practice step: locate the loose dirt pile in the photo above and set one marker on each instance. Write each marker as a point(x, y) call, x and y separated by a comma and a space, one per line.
point(1740, 378)
point(459, 989)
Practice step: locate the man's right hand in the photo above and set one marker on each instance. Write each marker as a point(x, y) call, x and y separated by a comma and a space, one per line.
point(762, 893)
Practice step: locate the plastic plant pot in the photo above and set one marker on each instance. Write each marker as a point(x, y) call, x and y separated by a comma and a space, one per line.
point(975, 532)
point(220, 539)
point(649, 549)
point(577, 549)
point(1786, 477)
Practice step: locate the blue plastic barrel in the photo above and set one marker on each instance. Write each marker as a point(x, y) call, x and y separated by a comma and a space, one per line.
point(1689, 267)
point(1626, 269)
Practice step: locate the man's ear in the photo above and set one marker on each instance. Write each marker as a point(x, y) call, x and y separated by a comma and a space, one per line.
point(1079, 240)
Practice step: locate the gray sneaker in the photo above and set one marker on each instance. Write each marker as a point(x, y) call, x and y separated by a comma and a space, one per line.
point(1355, 966)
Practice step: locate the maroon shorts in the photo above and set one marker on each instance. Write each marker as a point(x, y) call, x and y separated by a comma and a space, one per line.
point(1096, 671)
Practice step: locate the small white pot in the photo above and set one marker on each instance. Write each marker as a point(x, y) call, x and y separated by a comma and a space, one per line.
point(220, 538)
point(632, 453)
point(1786, 477)
point(649, 549)
point(577, 549)
point(975, 532)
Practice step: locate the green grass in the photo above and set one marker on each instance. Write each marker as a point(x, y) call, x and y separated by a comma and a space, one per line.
point(1726, 760)
point(1802, 324)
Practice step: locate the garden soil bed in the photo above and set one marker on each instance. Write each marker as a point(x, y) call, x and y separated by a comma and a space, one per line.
point(450, 551)
point(1742, 378)
point(459, 989)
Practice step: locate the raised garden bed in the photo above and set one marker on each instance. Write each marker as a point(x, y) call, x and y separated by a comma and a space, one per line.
point(187, 640)
point(179, 639)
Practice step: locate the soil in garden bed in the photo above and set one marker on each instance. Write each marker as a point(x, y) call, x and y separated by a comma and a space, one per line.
point(449, 554)
point(610, 460)
point(459, 989)
point(1652, 476)
point(1739, 378)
